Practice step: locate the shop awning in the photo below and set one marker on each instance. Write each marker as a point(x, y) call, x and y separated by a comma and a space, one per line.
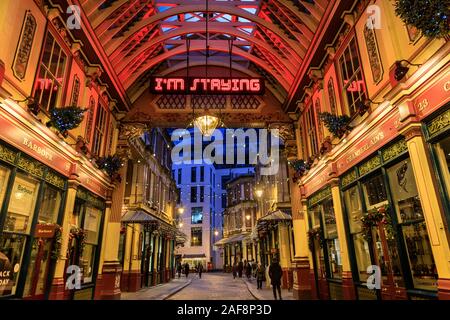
point(138, 217)
point(235, 238)
point(194, 256)
point(276, 216)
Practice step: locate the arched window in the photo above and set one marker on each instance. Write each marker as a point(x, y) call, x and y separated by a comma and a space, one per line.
point(332, 96)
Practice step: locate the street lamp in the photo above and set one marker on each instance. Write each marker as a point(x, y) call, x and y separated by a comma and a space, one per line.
point(180, 210)
point(216, 233)
point(259, 193)
point(248, 216)
point(180, 224)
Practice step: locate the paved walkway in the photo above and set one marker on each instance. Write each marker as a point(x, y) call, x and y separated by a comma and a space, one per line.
point(215, 286)
point(266, 293)
point(159, 292)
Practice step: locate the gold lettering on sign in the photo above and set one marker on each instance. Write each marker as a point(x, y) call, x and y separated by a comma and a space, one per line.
point(447, 86)
point(39, 150)
point(377, 138)
point(422, 104)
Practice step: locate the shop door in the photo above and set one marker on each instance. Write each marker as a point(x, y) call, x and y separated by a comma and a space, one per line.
point(383, 241)
point(320, 271)
point(36, 285)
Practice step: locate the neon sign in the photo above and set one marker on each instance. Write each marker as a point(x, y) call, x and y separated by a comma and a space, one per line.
point(202, 85)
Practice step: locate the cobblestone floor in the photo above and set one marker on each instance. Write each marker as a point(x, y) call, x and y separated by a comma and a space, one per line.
point(214, 286)
point(160, 292)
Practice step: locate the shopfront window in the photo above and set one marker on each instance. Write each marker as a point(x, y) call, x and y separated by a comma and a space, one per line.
point(410, 216)
point(385, 244)
point(332, 241)
point(22, 204)
point(361, 246)
point(51, 202)
point(11, 252)
point(4, 177)
point(442, 152)
point(91, 227)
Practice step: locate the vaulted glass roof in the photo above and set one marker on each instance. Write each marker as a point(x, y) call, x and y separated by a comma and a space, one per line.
point(267, 37)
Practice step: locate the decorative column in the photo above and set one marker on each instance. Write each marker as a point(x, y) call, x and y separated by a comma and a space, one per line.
point(58, 285)
point(285, 257)
point(155, 258)
point(431, 205)
point(348, 287)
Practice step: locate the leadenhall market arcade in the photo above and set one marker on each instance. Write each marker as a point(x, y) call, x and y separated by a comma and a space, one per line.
point(93, 204)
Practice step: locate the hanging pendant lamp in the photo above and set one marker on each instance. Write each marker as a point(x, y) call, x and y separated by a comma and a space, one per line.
point(207, 123)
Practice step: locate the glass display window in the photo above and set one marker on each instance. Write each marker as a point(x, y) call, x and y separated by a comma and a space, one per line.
point(22, 204)
point(442, 152)
point(408, 208)
point(353, 205)
point(384, 244)
point(91, 224)
point(11, 253)
point(50, 205)
point(4, 178)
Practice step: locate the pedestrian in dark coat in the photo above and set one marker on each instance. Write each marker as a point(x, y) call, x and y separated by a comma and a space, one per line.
point(179, 270)
point(275, 274)
point(186, 269)
point(234, 269)
point(200, 270)
point(240, 268)
point(248, 270)
point(260, 275)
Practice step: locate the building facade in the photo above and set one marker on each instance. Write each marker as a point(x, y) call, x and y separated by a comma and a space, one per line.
point(57, 212)
point(376, 193)
point(149, 233)
point(239, 220)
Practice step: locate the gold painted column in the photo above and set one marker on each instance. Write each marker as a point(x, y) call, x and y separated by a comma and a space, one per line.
point(110, 269)
point(347, 279)
point(58, 286)
point(285, 257)
point(155, 258)
point(431, 205)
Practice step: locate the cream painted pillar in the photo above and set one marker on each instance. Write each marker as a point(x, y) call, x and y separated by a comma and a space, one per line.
point(431, 205)
point(58, 285)
point(283, 234)
point(347, 280)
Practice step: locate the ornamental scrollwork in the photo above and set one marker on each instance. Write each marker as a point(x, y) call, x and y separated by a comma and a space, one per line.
point(369, 165)
point(439, 123)
point(394, 150)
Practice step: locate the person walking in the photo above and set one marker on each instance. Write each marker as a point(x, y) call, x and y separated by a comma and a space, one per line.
point(248, 270)
point(200, 270)
point(234, 269)
point(240, 268)
point(275, 274)
point(260, 276)
point(186, 269)
point(254, 268)
point(179, 270)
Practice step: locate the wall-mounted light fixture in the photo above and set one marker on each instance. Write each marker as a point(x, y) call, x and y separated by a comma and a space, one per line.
point(401, 69)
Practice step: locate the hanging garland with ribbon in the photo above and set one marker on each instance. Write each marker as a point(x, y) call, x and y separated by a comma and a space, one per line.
point(431, 17)
point(375, 217)
point(65, 118)
point(337, 125)
point(300, 167)
point(80, 236)
point(313, 234)
point(111, 165)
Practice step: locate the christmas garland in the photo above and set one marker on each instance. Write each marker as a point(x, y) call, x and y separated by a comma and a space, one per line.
point(111, 165)
point(375, 217)
point(65, 119)
point(300, 167)
point(337, 125)
point(56, 251)
point(431, 17)
point(313, 234)
point(80, 236)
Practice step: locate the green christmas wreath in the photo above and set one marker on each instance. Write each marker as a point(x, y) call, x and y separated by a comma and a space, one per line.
point(431, 17)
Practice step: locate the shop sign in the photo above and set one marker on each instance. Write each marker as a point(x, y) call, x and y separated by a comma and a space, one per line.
point(35, 148)
point(318, 181)
point(202, 85)
point(45, 231)
point(92, 184)
point(378, 137)
point(5, 271)
point(434, 97)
